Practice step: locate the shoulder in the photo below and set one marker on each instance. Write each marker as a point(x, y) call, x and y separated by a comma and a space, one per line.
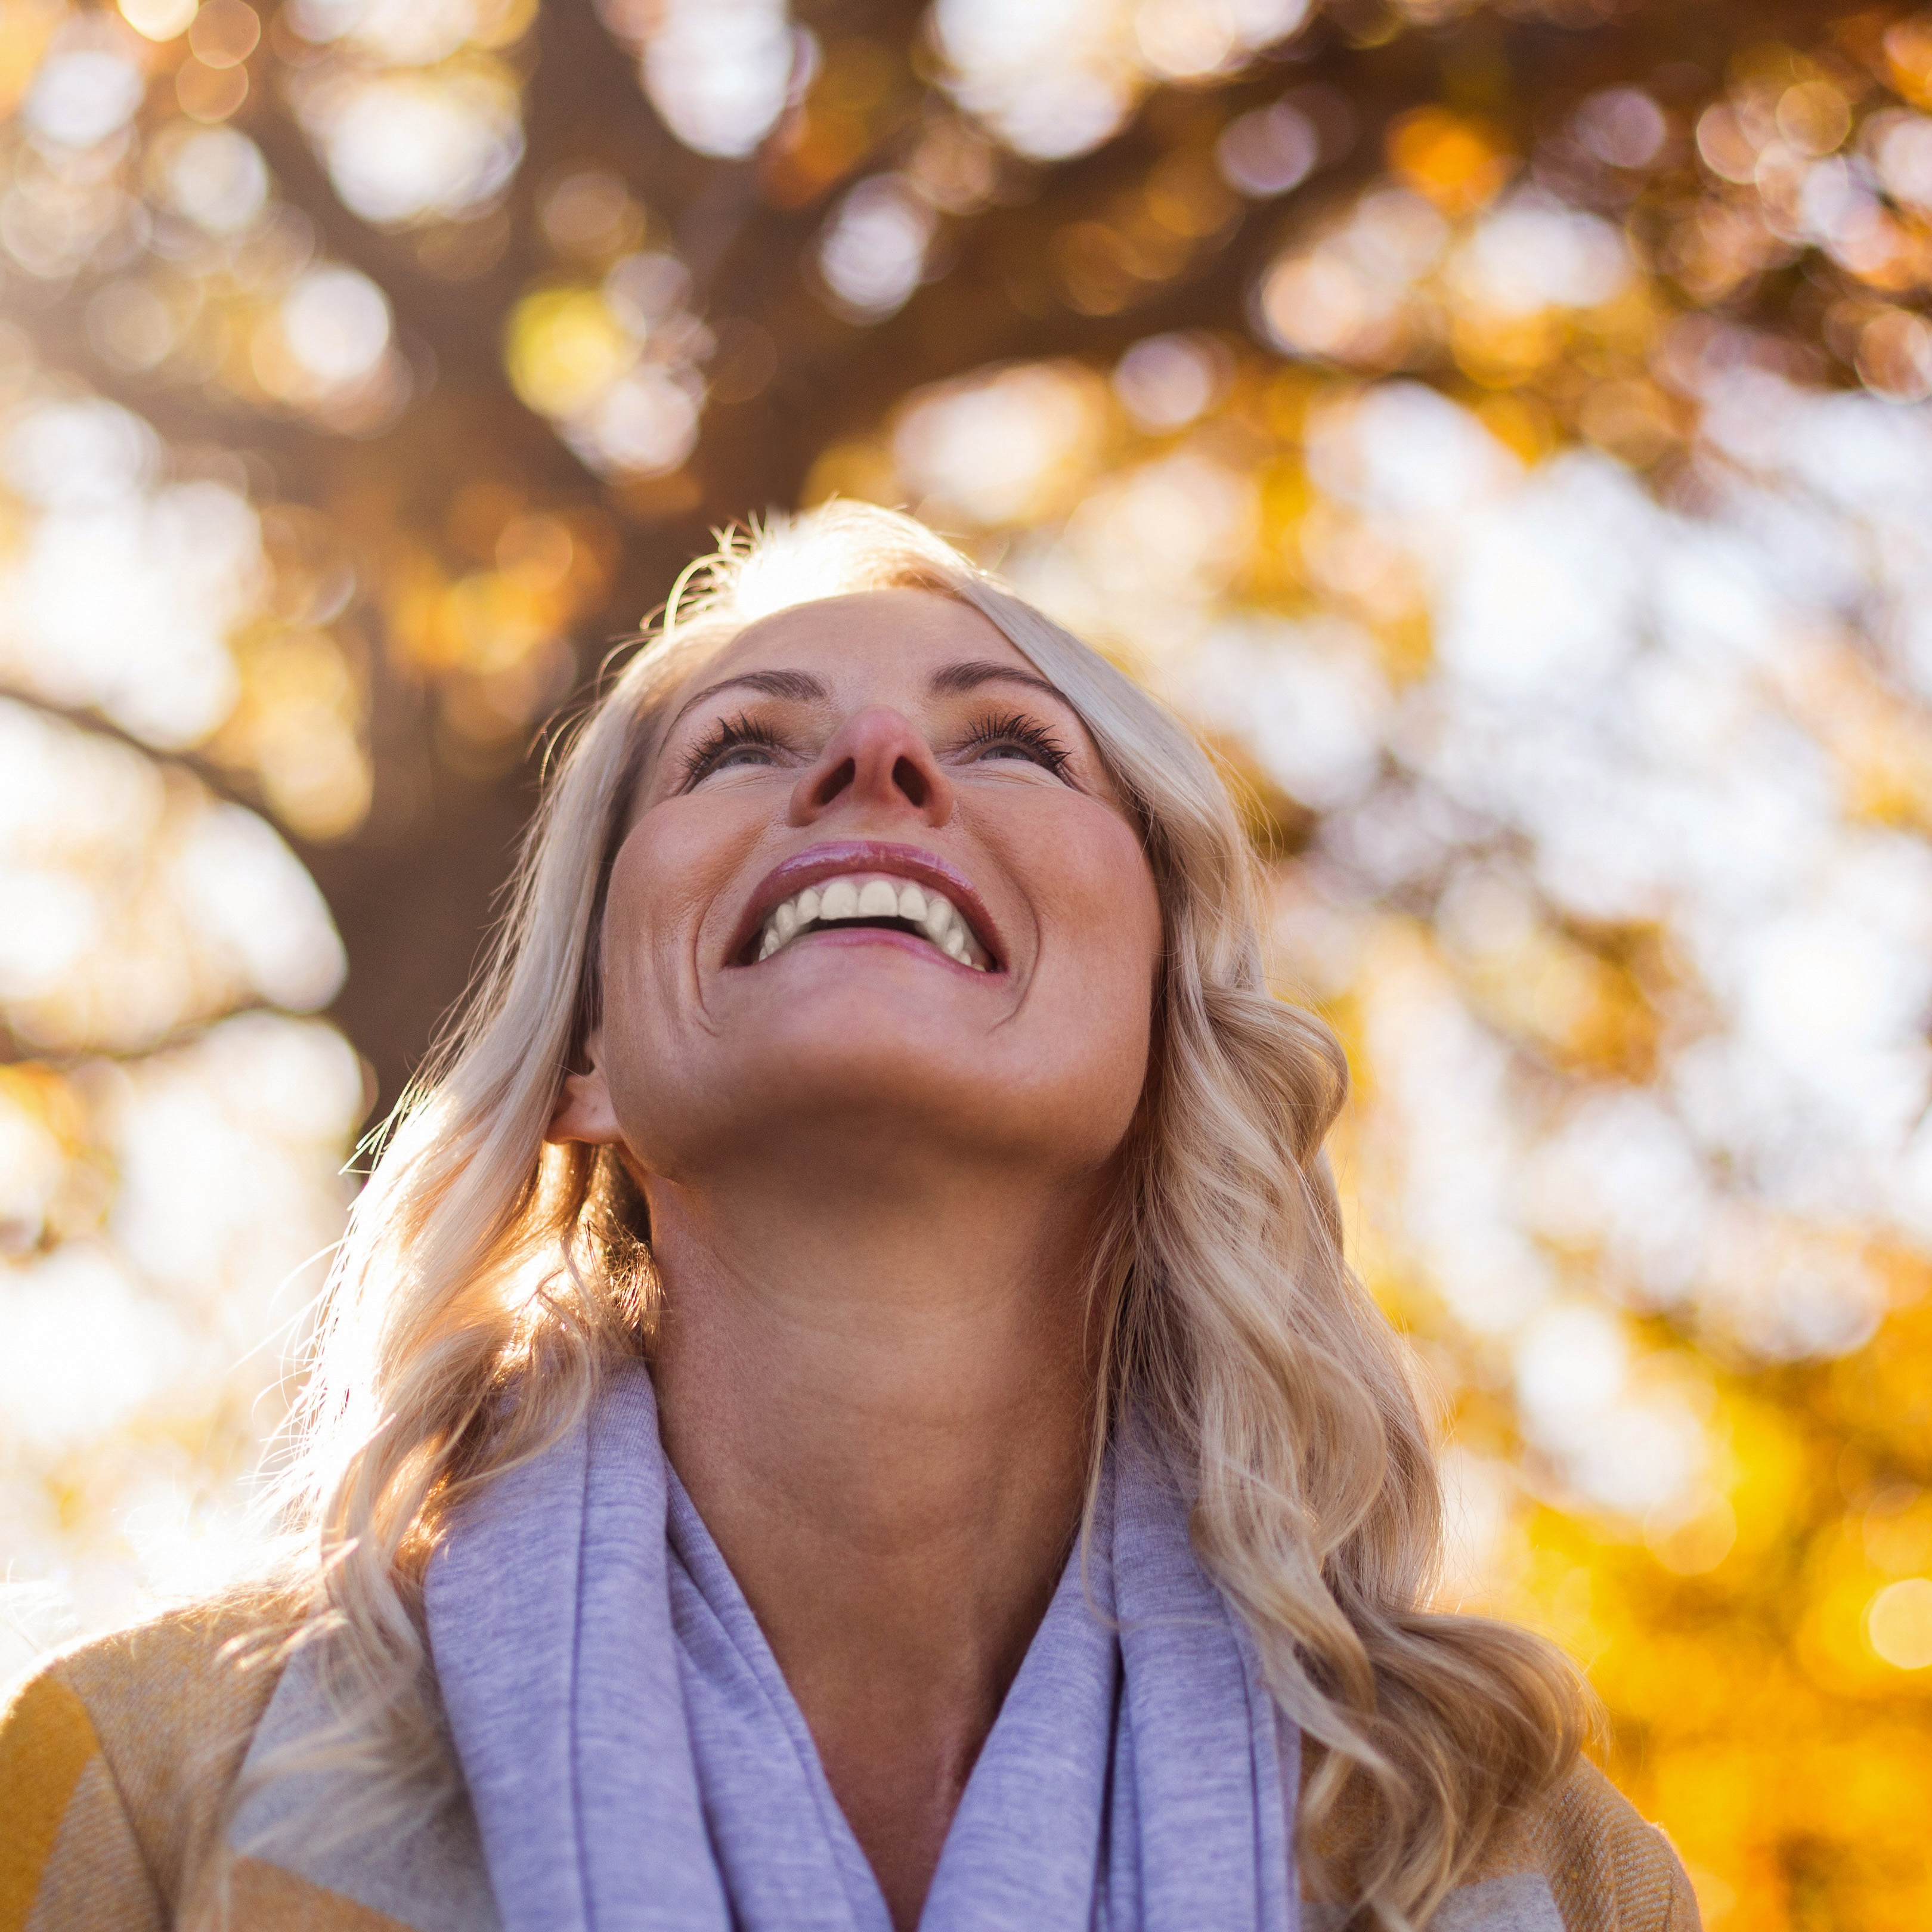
point(116, 1756)
point(1579, 1858)
point(1605, 1868)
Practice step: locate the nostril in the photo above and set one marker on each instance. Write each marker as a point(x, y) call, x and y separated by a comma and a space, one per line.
point(911, 781)
point(834, 782)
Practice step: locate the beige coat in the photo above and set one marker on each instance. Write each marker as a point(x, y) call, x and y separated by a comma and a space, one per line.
point(117, 1756)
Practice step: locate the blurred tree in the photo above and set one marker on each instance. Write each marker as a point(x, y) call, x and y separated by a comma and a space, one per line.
point(1502, 426)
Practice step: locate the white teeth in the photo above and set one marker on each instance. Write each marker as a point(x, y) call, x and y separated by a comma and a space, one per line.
point(837, 901)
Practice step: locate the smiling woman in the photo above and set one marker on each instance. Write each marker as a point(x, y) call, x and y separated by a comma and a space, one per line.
point(844, 1405)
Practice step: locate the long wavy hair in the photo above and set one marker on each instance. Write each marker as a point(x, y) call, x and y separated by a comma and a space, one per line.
point(488, 1278)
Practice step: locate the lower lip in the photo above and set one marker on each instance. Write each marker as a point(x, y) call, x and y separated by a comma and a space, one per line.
point(873, 935)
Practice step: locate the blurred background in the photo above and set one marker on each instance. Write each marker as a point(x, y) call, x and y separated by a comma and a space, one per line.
point(1501, 425)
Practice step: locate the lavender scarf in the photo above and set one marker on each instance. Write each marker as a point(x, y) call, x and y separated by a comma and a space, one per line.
point(634, 1762)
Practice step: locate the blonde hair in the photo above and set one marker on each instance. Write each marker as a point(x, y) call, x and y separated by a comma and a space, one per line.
point(480, 1261)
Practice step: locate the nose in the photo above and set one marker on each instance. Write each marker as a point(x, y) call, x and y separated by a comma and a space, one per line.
point(876, 760)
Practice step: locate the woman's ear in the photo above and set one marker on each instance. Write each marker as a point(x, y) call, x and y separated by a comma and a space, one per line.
point(583, 1111)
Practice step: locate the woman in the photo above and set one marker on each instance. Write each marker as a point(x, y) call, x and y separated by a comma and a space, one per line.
point(842, 1404)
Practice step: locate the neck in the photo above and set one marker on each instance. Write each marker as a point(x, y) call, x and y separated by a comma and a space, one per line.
point(882, 1407)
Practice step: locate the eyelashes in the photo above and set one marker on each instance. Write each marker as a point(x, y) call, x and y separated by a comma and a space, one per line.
point(725, 736)
point(713, 751)
point(1012, 728)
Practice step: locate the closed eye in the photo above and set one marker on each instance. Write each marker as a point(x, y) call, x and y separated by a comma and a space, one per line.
point(1010, 734)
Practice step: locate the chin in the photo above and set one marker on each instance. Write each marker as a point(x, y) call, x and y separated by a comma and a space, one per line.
point(895, 1084)
point(850, 1092)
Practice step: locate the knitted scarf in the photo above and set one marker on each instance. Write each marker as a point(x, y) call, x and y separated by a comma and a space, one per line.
point(634, 1761)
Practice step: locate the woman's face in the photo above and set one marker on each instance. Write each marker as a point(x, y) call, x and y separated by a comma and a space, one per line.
point(877, 899)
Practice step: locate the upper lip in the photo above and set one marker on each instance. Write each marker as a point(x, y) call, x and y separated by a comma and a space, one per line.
point(830, 861)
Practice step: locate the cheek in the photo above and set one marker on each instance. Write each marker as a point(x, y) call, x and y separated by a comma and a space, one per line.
point(668, 874)
point(1101, 938)
point(1102, 879)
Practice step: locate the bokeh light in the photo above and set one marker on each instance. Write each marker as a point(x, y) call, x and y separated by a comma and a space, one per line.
point(873, 251)
point(719, 72)
point(1057, 79)
point(415, 109)
point(615, 366)
point(400, 148)
point(1901, 1623)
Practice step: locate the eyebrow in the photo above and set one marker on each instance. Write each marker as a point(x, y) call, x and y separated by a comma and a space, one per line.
point(801, 688)
point(798, 686)
point(954, 678)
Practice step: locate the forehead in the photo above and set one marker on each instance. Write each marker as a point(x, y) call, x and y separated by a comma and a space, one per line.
point(900, 635)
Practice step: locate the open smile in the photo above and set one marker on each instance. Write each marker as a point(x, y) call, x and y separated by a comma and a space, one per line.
point(855, 887)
